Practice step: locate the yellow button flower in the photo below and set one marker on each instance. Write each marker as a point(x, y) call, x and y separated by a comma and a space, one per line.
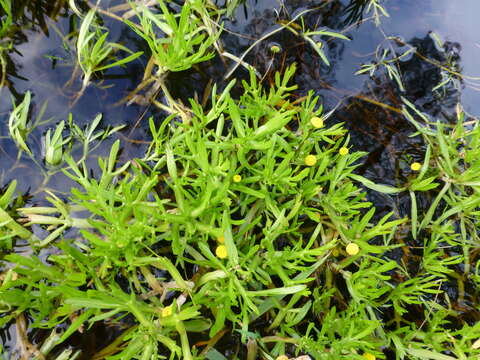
point(275, 48)
point(352, 249)
point(416, 166)
point(310, 160)
point(221, 251)
point(369, 356)
point(237, 178)
point(343, 151)
point(317, 122)
point(282, 357)
point(167, 311)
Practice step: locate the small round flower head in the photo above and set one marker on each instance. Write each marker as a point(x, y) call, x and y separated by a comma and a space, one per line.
point(221, 251)
point(343, 151)
point(310, 160)
point(275, 48)
point(416, 166)
point(167, 311)
point(369, 356)
point(335, 252)
point(352, 249)
point(237, 178)
point(221, 239)
point(317, 122)
point(282, 357)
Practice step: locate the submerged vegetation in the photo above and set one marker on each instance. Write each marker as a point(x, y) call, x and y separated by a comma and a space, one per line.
point(247, 228)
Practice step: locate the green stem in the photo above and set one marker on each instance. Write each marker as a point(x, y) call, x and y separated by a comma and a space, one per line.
point(132, 306)
point(184, 340)
point(431, 210)
point(14, 226)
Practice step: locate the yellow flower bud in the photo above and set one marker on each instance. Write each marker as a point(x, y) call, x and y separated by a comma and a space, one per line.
point(275, 48)
point(352, 249)
point(310, 160)
point(167, 311)
point(282, 357)
point(317, 122)
point(369, 356)
point(221, 251)
point(416, 166)
point(343, 151)
point(237, 178)
point(221, 239)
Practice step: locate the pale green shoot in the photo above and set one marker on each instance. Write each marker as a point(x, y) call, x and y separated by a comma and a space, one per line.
point(93, 50)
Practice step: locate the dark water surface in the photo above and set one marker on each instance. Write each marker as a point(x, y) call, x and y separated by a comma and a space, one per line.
point(361, 100)
point(45, 65)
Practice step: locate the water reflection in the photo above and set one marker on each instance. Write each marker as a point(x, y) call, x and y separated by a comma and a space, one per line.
point(455, 22)
point(43, 62)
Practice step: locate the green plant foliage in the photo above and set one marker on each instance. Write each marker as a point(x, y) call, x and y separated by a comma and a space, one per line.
point(93, 49)
point(186, 39)
point(9, 228)
point(182, 203)
point(245, 218)
point(231, 193)
point(18, 123)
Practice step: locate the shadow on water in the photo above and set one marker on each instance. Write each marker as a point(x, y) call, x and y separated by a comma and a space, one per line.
point(43, 61)
point(369, 106)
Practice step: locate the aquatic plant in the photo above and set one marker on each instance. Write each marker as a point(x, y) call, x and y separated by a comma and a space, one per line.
point(261, 146)
point(93, 50)
point(246, 220)
point(7, 21)
point(54, 145)
point(265, 261)
point(18, 122)
point(313, 37)
point(357, 8)
point(376, 8)
point(5, 28)
point(10, 229)
point(177, 42)
point(185, 41)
